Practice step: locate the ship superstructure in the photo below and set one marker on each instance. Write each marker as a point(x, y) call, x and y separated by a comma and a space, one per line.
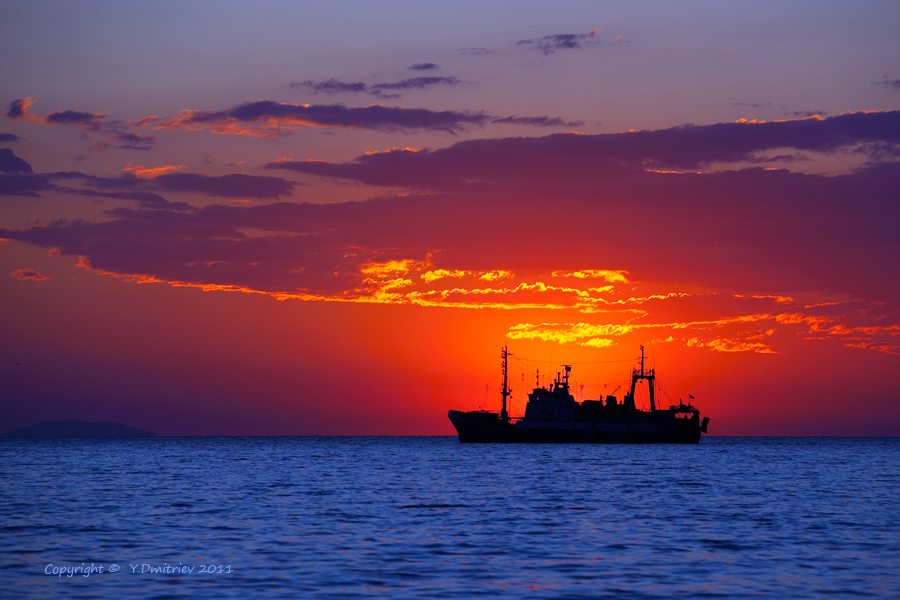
point(553, 415)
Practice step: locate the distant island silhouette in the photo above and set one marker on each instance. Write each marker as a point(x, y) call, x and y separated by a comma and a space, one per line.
point(78, 429)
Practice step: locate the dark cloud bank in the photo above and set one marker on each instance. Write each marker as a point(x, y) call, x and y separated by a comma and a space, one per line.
point(18, 179)
point(267, 114)
point(581, 158)
point(554, 202)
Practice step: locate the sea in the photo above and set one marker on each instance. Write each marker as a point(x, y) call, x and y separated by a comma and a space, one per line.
point(428, 517)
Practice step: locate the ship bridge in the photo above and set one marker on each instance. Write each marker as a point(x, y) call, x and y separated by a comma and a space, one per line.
point(555, 404)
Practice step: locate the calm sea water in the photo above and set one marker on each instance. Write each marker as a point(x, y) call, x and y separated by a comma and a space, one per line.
point(431, 518)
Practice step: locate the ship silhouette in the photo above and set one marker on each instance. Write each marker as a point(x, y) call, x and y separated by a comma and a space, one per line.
point(552, 415)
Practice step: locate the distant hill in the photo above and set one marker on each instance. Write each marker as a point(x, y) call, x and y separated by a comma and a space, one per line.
point(78, 429)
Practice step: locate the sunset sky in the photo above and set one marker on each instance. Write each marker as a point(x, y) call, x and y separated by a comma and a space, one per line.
point(255, 218)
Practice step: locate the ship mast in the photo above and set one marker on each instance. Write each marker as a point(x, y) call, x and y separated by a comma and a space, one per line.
point(504, 354)
point(649, 375)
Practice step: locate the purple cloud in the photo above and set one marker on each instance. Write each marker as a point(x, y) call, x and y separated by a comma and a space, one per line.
point(429, 66)
point(113, 133)
point(10, 163)
point(265, 117)
point(133, 141)
point(581, 157)
point(415, 83)
point(88, 120)
point(812, 232)
point(383, 90)
point(146, 200)
point(560, 41)
point(753, 104)
point(18, 108)
point(486, 202)
point(805, 114)
point(18, 179)
point(332, 86)
point(886, 82)
point(16, 184)
point(477, 51)
point(9, 137)
point(537, 121)
point(234, 185)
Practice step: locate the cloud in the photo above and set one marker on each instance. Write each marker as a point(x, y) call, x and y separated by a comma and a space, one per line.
point(804, 114)
point(559, 41)
point(574, 159)
point(139, 184)
point(10, 163)
point(9, 137)
point(383, 90)
point(429, 66)
point(716, 229)
point(415, 83)
point(357, 252)
point(18, 108)
point(147, 200)
point(537, 121)
point(570, 223)
point(754, 104)
point(96, 125)
point(133, 141)
point(886, 82)
point(266, 118)
point(18, 184)
point(477, 51)
point(233, 185)
point(88, 120)
point(151, 172)
point(610, 276)
point(332, 86)
point(27, 275)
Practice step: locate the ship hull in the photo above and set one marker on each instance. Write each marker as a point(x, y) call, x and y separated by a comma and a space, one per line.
point(641, 428)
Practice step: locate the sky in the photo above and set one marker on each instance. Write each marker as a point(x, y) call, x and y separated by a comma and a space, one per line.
point(283, 218)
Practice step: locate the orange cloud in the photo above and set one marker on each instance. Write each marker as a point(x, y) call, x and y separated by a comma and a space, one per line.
point(28, 275)
point(415, 282)
point(432, 276)
point(151, 172)
point(567, 333)
point(731, 345)
point(269, 119)
point(610, 276)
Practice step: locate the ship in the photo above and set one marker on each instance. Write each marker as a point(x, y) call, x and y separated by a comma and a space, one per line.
point(552, 415)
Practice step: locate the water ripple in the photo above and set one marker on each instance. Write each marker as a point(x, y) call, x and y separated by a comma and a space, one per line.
point(429, 517)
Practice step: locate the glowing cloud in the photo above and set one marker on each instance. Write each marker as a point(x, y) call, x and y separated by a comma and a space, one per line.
point(266, 118)
point(27, 275)
point(610, 276)
point(96, 125)
point(151, 172)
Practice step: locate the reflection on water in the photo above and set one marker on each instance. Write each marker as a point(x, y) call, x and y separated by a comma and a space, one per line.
point(428, 517)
